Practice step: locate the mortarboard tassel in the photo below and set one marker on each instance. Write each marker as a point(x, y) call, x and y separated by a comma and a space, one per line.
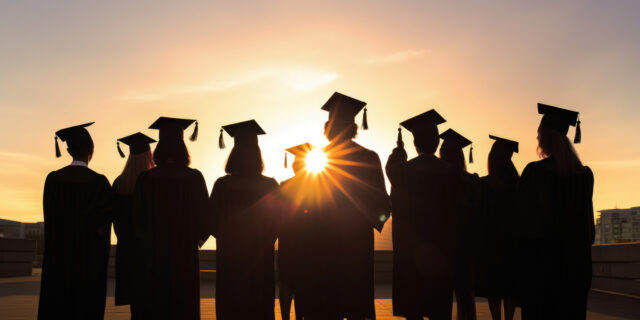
point(471, 154)
point(399, 142)
point(221, 141)
point(58, 154)
point(120, 150)
point(578, 137)
point(365, 123)
point(285, 160)
point(194, 135)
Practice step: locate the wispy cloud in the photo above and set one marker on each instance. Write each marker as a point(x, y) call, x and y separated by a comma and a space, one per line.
point(615, 163)
point(395, 57)
point(297, 78)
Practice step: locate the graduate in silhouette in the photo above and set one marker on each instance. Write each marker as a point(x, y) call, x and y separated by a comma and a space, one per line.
point(77, 230)
point(494, 255)
point(555, 223)
point(294, 247)
point(466, 195)
point(245, 229)
point(169, 206)
point(423, 223)
point(355, 202)
point(140, 160)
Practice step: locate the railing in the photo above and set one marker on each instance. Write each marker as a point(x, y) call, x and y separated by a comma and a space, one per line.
point(16, 257)
point(616, 268)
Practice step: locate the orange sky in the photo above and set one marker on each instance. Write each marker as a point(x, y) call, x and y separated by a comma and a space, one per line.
point(483, 66)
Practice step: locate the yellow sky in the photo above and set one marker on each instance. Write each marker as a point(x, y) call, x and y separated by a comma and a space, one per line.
point(482, 66)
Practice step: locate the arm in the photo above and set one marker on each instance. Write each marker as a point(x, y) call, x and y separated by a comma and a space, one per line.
point(201, 198)
point(381, 203)
point(215, 207)
point(592, 227)
point(396, 167)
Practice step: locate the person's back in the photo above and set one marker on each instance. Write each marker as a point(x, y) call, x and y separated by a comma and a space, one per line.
point(76, 204)
point(555, 224)
point(169, 206)
point(244, 224)
point(423, 223)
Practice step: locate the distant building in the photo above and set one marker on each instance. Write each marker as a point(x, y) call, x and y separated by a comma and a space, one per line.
point(11, 229)
point(618, 225)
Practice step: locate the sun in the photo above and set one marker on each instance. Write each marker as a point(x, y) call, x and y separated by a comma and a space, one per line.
point(316, 161)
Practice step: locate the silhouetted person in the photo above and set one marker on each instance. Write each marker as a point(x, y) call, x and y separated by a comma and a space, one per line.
point(169, 206)
point(294, 233)
point(466, 198)
point(494, 256)
point(245, 230)
point(422, 191)
point(555, 223)
point(77, 230)
point(354, 203)
point(140, 160)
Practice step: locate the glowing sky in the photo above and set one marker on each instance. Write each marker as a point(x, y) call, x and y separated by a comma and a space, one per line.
point(483, 65)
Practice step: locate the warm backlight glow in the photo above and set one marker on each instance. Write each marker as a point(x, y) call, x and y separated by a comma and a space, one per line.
point(316, 161)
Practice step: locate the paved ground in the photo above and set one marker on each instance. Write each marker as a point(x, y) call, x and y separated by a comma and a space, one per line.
point(19, 300)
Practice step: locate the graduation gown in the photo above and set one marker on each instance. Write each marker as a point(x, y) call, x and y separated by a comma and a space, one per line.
point(245, 229)
point(295, 230)
point(423, 236)
point(494, 255)
point(466, 200)
point(555, 229)
point(168, 218)
point(77, 240)
point(354, 202)
point(122, 207)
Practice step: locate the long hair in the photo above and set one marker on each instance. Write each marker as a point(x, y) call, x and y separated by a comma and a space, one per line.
point(453, 155)
point(171, 152)
point(136, 164)
point(245, 160)
point(500, 165)
point(554, 145)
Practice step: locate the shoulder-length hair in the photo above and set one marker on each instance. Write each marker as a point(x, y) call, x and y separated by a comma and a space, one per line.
point(171, 153)
point(245, 160)
point(500, 165)
point(453, 155)
point(136, 164)
point(553, 144)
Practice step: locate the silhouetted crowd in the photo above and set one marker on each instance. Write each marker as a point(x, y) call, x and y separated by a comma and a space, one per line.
point(520, 240)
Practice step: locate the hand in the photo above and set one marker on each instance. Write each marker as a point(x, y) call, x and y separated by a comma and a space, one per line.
point(398, 155)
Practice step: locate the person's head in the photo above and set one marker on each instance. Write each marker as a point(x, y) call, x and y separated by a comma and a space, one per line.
point(80, 147)
point(136, 164)
point(298, 164)
point(451, 153)
point(499, 163)
point(245, 159)
point(173, 152)
point(426, 139)
point(554, 144)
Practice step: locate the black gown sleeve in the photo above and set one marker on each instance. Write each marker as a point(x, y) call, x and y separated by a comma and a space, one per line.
point(216, 207)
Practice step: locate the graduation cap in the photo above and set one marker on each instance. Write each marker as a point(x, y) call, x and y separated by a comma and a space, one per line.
point(300, 150)
point(137, 142)
point(173, 128)
point(458, 140)
point(429, 118)
point(344, 108)
point(560, 119)
point(71, 135)
point(245, 132)
point(509, 144)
